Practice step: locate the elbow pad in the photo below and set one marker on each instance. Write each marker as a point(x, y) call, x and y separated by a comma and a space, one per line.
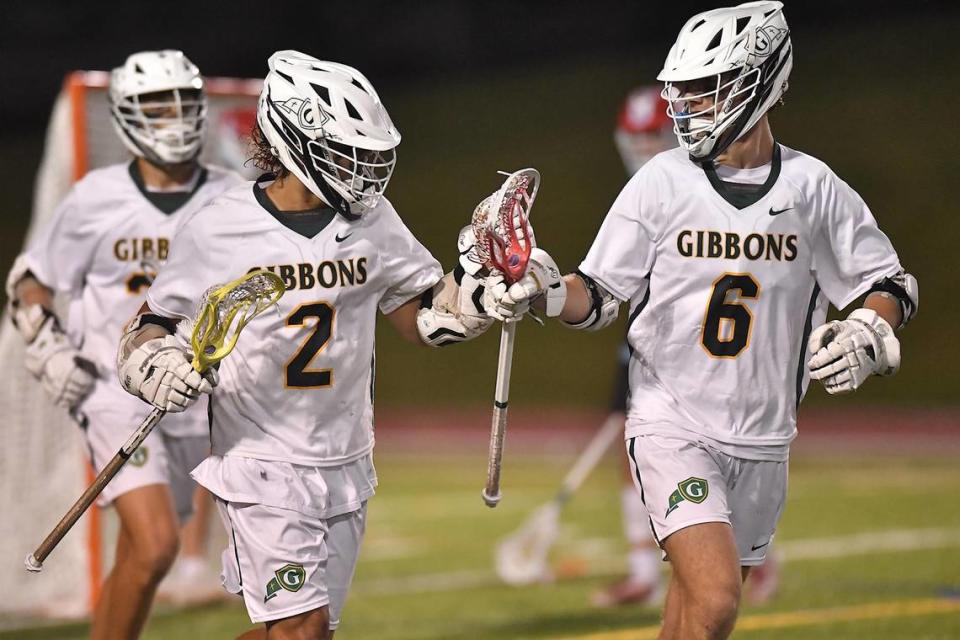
point(604, 307)
point(901, 287)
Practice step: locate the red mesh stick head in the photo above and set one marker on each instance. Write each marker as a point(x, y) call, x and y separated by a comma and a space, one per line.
point(502, 225)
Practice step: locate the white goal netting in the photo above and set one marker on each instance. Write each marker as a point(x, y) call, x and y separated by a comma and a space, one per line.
point(43, 463)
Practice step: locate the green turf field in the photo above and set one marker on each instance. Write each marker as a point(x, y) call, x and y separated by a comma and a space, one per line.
point(871, 549)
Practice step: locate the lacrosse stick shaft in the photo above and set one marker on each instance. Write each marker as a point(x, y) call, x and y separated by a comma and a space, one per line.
point(34, 561)
point(498, 427)
point(591, 456)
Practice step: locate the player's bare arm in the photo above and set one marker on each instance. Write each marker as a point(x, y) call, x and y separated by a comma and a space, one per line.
point(404, 320)
point(29, 291)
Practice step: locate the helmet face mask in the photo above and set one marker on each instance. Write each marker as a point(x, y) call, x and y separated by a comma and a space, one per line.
point(727, 68)
point(706, 107)
point(327, 126)
point(159, 108)
point(359, 175)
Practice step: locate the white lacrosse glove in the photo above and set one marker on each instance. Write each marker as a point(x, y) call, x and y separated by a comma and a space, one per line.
point(159, 371)
point(455, 311)
point(542, 278)
point(64, 373)
point(847, 352)
point(471, 277)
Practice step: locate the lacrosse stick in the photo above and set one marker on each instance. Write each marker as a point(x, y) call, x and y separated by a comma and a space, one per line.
point(505, 239)
point(224, 311)
point(521, 557)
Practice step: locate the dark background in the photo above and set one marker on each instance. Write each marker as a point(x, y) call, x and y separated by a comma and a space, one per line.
point(480, 86)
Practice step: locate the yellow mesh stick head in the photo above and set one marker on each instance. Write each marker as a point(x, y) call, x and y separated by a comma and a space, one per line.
point(225, 310)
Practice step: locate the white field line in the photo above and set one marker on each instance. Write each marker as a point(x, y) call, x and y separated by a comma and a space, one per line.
point(867, 543)
point(894, 540)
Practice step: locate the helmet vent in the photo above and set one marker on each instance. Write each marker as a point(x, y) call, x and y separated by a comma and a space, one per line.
point(741, 24)
point(769, 13)
point(138, 68)
point(285, 76)
point(715, 42)
point(352, 111)
point(357, 84)
point(323, 92)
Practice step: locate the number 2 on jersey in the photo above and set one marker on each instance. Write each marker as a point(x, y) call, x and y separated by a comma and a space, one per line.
point(297, 374)
point(727, 324)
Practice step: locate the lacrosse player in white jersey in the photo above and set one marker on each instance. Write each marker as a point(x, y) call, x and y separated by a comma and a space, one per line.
point(101, 250)
point(728, 252)
point(292, 417)
point(643, 130)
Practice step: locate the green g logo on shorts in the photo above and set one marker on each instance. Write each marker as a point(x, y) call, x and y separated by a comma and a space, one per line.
point(693, 490)
point(289, 577)
point(139, 457)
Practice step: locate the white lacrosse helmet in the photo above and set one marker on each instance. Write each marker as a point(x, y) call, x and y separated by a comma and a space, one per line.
point(329, 128)
point(643, 128)
point(727, 68)
point(159, 107)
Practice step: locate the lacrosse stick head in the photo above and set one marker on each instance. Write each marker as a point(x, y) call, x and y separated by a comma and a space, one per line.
point(501, 224)
point(225, 310)
point(521, 557)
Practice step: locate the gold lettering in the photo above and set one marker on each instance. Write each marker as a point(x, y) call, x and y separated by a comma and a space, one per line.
point(120, 249)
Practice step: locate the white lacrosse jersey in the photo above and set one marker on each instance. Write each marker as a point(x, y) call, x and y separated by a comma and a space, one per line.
point(102, 249)
point(723, 294)
point(298, 387)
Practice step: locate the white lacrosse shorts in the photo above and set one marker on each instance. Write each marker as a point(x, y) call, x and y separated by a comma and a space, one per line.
point(284, 562)
point(161, 459)
point(684, 483)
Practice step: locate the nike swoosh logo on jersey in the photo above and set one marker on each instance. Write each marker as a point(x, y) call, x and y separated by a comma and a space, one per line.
point(339, 239)
point(759, 546)
point(776, 212)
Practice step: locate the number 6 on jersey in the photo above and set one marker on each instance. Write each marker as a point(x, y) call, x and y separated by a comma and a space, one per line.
point(718, 338)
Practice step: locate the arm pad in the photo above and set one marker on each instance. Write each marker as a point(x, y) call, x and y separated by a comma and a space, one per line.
point(903, 288)
point(604, 307)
